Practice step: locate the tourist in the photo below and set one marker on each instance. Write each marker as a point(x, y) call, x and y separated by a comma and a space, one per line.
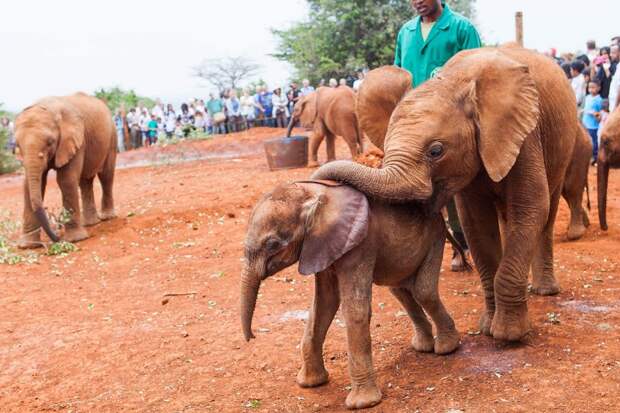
point(280, 110)
point(307, 88)
point(233, 109)
point(578, 82)
point(153, 127)
point(333, 83)
point(120, 133)
point(215, 108)
point(247, 108)
point(591, 115)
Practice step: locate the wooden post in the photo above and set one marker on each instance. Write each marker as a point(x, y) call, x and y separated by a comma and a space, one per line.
point(519, 27)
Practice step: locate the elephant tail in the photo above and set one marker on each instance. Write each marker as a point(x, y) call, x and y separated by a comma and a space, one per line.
point(587, 194)
point(459, 249)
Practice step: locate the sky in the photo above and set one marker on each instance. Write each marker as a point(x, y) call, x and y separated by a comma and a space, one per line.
point(62, 46)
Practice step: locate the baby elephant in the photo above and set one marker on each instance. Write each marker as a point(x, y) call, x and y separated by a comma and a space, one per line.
point(349, 242)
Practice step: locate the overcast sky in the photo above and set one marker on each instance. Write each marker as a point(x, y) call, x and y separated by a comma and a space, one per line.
point(57, 47)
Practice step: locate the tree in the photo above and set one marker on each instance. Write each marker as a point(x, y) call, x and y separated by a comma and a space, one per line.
point(342, 36)
point(227, 73)
point(115, 97)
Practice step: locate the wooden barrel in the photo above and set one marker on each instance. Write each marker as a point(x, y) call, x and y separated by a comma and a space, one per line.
point(287, 153)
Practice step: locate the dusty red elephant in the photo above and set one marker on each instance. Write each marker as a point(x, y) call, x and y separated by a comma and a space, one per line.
point(497, 127)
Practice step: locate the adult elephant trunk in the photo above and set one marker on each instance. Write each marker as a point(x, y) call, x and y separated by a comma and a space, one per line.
point(290, 126)
point(602, 175)
point(36, 202)
point(391, 183)
point(250, 284)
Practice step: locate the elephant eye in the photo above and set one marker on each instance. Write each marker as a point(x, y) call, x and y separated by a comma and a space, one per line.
point(273, 245)
point(435, 150)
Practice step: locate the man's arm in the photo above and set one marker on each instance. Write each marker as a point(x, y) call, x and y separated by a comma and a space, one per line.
point(397, 54)
point(469, 37)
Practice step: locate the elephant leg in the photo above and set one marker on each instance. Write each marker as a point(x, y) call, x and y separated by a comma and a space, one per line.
point(89, 212)
point(355, 286)
point(31, 228)
point(426, 292)
point(479, 220)
point(423, 338)
point(543, 280)
point(330, 145)
point(68, 184)
point(106, 177)
point(324, 308)
point(315, 142)
point(578, 216)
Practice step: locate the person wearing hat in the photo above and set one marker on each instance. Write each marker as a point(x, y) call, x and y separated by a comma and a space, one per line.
point(423, 47)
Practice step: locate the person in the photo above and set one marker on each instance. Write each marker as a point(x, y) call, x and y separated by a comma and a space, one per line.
point(7, 124)
point(247, 108)
point(296, 92)
point(591, 114)
point(144, 126)
point(233, 109)
point(158, 109)
point(133, 120)
point(216, 113)
point(170, 121)
point(333, 83)
point(603, 69)
point(265, 100)
point(291, 105)
point(178, 129)
point(358, 82)
point(120, 134)
point(578, 81)
point(152, 135)
point(199, 121)
point(614, 90)
point(591, 50)
point(342, 82)
point(424, 44)
point(307, 88)
point(280, 111)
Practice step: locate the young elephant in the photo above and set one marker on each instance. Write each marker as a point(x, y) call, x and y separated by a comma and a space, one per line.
point(575, 181)
point(330, 113)
point(608, 157)
point(349, 242)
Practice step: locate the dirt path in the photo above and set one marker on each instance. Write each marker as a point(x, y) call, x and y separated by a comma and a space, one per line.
point(89, 332)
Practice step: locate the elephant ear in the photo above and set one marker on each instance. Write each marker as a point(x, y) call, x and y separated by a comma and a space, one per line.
point(309, 109)
point(336, 222)
point(377, 98)
point(71, 128)
point(506, 107)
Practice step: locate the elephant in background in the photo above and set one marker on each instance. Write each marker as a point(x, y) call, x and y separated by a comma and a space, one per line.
point(496, 128)
point(350, 242)
point(575, 181)
point(329, 113)
point(608, 157)
point(75, 136)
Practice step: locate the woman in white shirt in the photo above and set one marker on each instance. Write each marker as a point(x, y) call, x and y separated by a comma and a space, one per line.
point(280, 110)
point(247, 108)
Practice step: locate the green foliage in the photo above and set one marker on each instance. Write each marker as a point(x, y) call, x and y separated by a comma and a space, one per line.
point(61, 248)
point(116, 96)
point(8, 253)
point(342, 36)
point(8, 163)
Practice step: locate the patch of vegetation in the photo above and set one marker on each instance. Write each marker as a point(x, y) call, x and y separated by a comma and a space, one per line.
point(61, 248)
point(8, 162)
point(8, 253)
point(194, 135)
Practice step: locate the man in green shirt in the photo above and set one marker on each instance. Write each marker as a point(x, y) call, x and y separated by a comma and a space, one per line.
point(423, 47)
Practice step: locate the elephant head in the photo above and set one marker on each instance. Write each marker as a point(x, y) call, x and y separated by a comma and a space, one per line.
point(306, 111)
point(313, 223)
point(48, 135)
point(475, 114)
point(608, 156)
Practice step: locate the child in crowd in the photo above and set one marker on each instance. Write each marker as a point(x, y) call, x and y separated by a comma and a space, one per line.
point(591, 114)
point(178, 130)
point(152, 136)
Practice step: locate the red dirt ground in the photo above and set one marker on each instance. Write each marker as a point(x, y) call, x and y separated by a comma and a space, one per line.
point(89, 332)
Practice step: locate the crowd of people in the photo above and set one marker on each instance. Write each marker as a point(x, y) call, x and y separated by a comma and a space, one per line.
point(596, 83)
point(221, 114)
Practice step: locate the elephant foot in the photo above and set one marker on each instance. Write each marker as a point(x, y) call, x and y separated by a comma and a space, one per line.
point(447, 342)
point(575, 232)
point(306, 378)
point(510, 324)
point(313, 164)
point(485, 323)
point(107, 215)
point(89, 219)
point(364, 396)
point(548, 286)
point(423, 342)
point(75, 234)
point(30, 240)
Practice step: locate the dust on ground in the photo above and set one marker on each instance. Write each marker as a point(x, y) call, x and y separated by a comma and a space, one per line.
point(89, 332)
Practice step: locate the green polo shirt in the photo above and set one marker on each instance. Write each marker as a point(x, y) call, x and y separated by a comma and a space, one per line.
point(423, 59)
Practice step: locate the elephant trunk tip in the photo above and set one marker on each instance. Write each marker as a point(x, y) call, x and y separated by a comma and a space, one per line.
point(42, 218)
point(248, 335)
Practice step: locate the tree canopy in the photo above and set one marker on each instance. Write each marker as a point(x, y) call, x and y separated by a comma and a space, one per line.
point(226, 73)
point(341, 36)
point(115, 96)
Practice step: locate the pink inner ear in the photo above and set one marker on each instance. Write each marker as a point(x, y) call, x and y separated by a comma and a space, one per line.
point(341, 225)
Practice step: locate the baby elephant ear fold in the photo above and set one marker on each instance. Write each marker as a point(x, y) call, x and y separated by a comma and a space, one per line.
point(336, 222)
point(378, 96)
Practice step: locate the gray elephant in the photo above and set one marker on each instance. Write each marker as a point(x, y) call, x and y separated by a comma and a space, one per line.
point(350, 242)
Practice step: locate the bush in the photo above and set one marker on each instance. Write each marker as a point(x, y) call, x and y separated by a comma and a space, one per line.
point(8, 163)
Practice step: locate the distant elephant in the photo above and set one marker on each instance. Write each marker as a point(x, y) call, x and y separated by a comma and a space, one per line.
point(496, 127)
point(350, 242)
point(608, 157)
point(75, 136)
point(329, 112)
point(575, 181)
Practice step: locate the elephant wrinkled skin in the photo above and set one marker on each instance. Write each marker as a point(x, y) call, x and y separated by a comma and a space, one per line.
point(75, 136)
point(575, 181)
point(350, 243)
point(608, 157)
point(496, 128)
point(329, 113)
